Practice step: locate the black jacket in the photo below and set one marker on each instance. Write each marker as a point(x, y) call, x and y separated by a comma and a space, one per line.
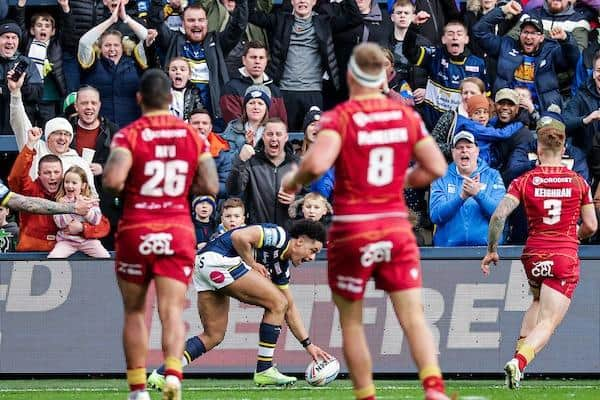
point(279, 26)
point(216, 46)
point(441, 12)
point(83, 16)
point(54, 53)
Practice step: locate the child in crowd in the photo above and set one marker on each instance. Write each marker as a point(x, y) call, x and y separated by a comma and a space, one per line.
point(186, 96)
point(313, 206)
point(310, 126)
point(397, 88)
point(203, 208)
point(478, 108)
point(41, 45)
point(73, 186)
point(9, 232)
point(233, 215)
point(526, 107)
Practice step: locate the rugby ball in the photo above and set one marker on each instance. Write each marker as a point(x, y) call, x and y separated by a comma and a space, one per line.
point(322, 372)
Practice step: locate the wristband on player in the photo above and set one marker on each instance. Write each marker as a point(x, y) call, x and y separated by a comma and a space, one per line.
point(306, 342)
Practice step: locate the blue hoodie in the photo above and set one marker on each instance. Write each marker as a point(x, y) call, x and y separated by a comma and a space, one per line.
point(464, 222)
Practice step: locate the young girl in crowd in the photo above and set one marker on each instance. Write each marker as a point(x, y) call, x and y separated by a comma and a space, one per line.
point(73, 186)
point(186, 95)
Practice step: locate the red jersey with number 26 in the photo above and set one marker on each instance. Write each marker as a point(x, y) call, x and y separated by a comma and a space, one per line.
point(165, 154)
point(378, 137)
point(552, 197)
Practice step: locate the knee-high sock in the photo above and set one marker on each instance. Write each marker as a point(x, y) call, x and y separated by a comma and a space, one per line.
point(268, 335)
point(194, 348)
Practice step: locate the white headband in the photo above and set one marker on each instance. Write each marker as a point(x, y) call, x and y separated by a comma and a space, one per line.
point(367, 80)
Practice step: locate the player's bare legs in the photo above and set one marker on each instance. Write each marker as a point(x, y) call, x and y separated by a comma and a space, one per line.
point(354, 344)
point(530, 318)
point(170, 294)
point(213, 309)
point(409, 311)
point(135, 334)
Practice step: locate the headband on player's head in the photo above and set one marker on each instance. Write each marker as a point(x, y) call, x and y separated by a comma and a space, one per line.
point(365, 79)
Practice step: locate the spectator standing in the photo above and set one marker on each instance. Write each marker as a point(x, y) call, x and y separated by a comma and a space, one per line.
point(530, 61)
point(447, 66)
point(302, 51)
point(254, 60)
point(219, 148)
point(249, 127)
point(204, 50)
point(42, 46)
point(74, 185)
point(3, 9)
point(441, 12)
point(463, 200)
point(114, 74)
point(186, 96)
point(256, 176)
point(9, 232)
point(31, 82)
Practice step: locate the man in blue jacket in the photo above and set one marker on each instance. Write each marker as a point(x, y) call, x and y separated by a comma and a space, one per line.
point(463, 200)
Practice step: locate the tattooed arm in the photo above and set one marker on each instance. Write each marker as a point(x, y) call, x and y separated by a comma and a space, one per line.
point(505, 208)
point(38, 205)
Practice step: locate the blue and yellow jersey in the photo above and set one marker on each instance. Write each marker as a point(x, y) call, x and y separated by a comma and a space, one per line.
point(270, 250)
point(4, 194)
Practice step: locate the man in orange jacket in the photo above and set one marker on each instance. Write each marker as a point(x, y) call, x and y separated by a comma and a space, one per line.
point(38, 232)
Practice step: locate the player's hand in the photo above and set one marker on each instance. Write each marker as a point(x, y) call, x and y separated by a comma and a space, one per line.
point(261, 269)
point(74, 227)
point(64, 4)
point(512, 8)
point(317, 353)
point(287, 184)
point(247, 152)
point(488, 260)
point(558, 33)
point(96, 168)
point(421, 17)
point(33, 135)
point(14, 86)
point(419, 95)
point(201, 245)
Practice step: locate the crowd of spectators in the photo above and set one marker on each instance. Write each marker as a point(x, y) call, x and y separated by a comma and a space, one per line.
point(247, 74)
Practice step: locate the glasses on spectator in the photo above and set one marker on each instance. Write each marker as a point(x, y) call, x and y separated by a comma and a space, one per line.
point(530, 33)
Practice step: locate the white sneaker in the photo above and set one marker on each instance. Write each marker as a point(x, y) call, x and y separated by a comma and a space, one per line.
point(172, 388)
point(139, 395)
point(513, 374)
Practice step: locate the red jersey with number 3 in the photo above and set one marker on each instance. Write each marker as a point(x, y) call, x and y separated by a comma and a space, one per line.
point(552, 197)
point(378, 137)
point(165, 153)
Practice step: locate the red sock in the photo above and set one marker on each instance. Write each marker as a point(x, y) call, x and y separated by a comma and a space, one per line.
point(173, 372)
point(522, 361)
point(434, 382)
point(368, 398)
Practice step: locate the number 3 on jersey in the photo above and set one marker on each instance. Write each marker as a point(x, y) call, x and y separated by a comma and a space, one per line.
point(554, 208)
point(381, 166)
point(166, 178)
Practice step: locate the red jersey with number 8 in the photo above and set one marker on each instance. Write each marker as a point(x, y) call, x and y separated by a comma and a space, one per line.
point(165, 153)
point(552, 197)
point(378, 137)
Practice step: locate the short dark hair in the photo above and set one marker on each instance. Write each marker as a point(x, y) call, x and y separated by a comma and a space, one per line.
point(155, 89)
point(195, 7)
point(456, 22)
point(254, 44)
point(200, 111)
point(312, 229)
point(275, 120)
point(49, 158)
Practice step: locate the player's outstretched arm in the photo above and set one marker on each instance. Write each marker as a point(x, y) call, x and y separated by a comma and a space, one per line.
point(38, 205)
point(206, 181)
point(505, 208)
point(116, 170)
point(296, 325)
point(589, 222)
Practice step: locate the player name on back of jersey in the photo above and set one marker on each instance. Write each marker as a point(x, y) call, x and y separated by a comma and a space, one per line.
point(557, 192)
point(149, 135)
point(383, 136)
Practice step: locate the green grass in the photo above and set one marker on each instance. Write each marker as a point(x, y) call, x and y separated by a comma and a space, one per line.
point(222, 389)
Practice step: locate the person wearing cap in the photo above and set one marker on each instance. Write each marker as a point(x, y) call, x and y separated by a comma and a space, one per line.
point(447, 65)
point(30, 81)
point(525, 158)
point(248, 128)
point(254, 60)
point(462, 201)
point(478, 108)
point(531, 60)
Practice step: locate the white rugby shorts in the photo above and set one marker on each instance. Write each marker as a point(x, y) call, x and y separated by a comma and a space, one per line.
point(214, 271)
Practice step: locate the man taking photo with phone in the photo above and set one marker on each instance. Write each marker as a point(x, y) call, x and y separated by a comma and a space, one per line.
point(11, 63)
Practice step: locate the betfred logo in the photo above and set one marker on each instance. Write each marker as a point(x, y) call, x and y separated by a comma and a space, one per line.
point(537, 180)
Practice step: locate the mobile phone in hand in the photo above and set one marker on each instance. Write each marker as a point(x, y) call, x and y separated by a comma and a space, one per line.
point(18, 70)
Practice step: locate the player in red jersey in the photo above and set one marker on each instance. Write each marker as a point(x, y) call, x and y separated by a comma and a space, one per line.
point(555, 198)
point(370, 140)
point(154, 161)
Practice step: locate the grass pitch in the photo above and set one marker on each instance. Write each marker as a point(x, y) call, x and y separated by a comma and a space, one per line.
point(236, 389)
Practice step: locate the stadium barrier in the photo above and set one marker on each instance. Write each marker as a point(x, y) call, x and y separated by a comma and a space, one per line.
point(64, 316)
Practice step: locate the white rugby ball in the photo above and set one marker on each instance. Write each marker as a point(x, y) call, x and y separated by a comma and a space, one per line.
point(322, 372)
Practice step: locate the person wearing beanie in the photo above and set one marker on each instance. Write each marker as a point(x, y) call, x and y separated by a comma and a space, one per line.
point(203, 209)
point(254, 60)
point(58, 133)
point(310, 127)
point(478, 108)
point(249, 127)
point(28, 88)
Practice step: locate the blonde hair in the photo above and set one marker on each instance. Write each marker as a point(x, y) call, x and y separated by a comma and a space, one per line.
point(369, 58)
point(85, 186)
point(551, 139)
